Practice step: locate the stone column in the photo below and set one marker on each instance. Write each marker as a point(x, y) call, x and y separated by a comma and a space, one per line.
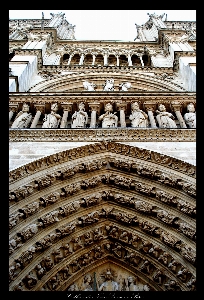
point(150, 107)
point(94, 58)
point(142, 63)
point(105, 59)
point(12, 110)
point(176, 106)
point(67, 107)
point(69, 61)
point(81, 59)
point(118, 62)
point(39, 110)
point(122, 108)
point(129, 60)
point(94, 109)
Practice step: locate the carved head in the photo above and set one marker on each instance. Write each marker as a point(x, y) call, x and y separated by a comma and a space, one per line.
point(81, 106)
point(108, 107)
point(135, 106)
point(190, 107)
point(54, 107)
point(162, 107)
point(25, 107)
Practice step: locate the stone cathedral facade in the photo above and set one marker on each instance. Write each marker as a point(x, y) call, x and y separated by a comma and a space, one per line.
point(102, 187)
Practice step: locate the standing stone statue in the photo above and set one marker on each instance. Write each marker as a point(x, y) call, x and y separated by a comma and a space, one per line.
point(190, 116)
point(138, 117)
point(52, 120)
point(108, 284)
point(23, 118)
point(80, 118)
point(164, 118)
point(109, 119)
point(130, 284)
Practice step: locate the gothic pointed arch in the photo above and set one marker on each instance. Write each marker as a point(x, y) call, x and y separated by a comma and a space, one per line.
point(103, 206)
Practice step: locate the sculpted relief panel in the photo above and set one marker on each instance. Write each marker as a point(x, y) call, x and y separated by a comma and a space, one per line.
point(109, 224)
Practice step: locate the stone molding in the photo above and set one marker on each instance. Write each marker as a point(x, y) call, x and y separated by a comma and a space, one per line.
point(99, 135)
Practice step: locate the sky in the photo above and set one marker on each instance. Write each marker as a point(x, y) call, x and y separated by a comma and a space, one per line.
point(105, 24)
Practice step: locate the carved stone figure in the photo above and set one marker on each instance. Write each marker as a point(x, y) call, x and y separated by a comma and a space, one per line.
point(143, 206)
point(146, 245)
point(164, 258)
point(98, 252)
point(50, 199)
point(117, 250)
point(80, 118)
point(125, 86)
point(132, 258)
point(135, 240)
point(159, 276)
point(173, 265)
point(50, 218)
point(75, 265)
point(29, 231)
point(14, 244)
point(130, 284)
point(23, 118)
point(145, 267)
point(108, 284)
point(86, 283)
point(48, 263)
point(164, 216)
point(189, 254)
point(109, 85)
point(86, 259)
point(30, 281)
point(40, 271)
point(52, 120)
point(172, 285)
point(14, 218)
point(53, 283)
point(190, 116)
point(90, 86)
point(97, 235)
point(73, 287)
point(155, 251)
point(192, 284)
point(170, 240)
point(164, 118)
point(124, 236)
point(138, 117)
point(65, 272)
point(109, 119)
point(30, 209)
point(57, 256)
point(77, 243)
point(183, 274)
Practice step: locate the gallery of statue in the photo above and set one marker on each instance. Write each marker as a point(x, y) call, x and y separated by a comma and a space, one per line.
point(102, 169)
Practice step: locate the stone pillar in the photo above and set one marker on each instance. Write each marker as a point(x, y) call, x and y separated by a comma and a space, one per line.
point(150, 107)
point(94, 58)
point(12, 110)
point(142, 63)
point(118, 62)
point(39, 110)
point(105, 59)
point(69, 61)
point(94, 109)
point(67, 107)
point(122, 108)
point(176, 106)
point(129, 60)
point(81, 59)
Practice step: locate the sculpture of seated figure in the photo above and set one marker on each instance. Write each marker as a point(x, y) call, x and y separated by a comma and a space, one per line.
point(138, 117)
point(23, 118)
point(109, 119)
point(52, 120)
point(90, 86)
point(109, 85)
point(80, 118)
point(164, 118)
point(190, 116)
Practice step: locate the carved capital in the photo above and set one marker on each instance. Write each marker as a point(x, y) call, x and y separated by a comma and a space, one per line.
point(121, 106)
point(13, 107)
point(67, 106)
point(150, 106)
point(39, 107)
point(94, 106)
point(176, 106)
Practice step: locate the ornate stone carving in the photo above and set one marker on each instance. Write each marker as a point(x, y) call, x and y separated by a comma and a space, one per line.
point(30, 281)
point(52, 120)
point(50, 199)
point(23, 118)
point(190, 116)
point(109, 119)
point(138, 117)
point(109, 85)
point(125, 86)
point(80, 118)
point(89, 86)
point(165, 119)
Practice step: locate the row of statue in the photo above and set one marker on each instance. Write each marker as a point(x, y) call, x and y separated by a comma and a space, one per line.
point(139, 118)
point(108, 86)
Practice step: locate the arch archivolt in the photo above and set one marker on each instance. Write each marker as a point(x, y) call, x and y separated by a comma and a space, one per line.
point(144, 211)
point(139, 82)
